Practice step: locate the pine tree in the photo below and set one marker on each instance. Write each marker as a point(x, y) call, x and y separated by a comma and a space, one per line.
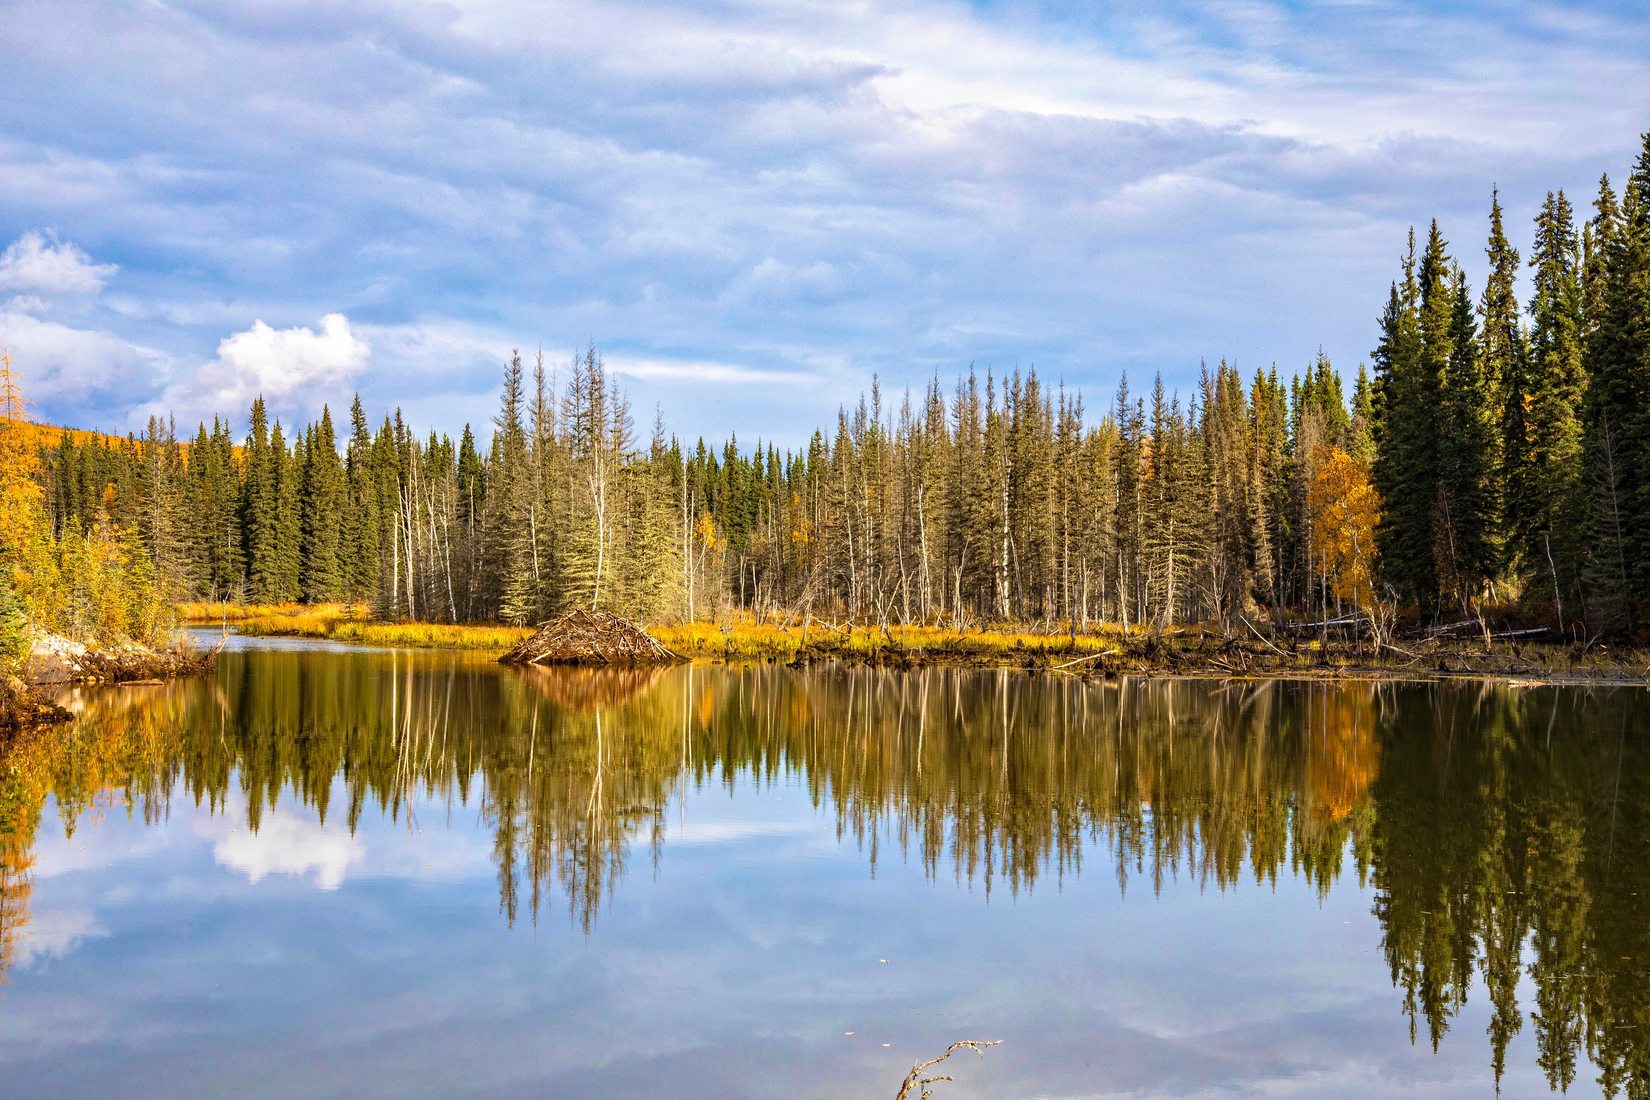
point(287, 566)
point(1503, 353)
point(510, 523)
point(361, 549)
point(1360, 438)
point(472, 505)
point(162, 529)
point(1616, 295)
point(1548, 484)
point(1405, 429)
point(1469, 416)
point(214, 497)
point(259, 510)
point(325, 495)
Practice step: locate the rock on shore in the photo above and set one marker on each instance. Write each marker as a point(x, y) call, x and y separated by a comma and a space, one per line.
point(59, 660)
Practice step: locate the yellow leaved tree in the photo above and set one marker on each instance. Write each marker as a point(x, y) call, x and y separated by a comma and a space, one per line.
point(24, 537)
point(96, 585)
point(1343, 509)
point(22, 518)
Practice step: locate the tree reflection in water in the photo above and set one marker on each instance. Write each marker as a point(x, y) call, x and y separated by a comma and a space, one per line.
point(1502, 831)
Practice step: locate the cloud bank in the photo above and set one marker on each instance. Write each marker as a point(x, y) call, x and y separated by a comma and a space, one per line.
point(38, 263)
point(291, 368)
point(810, 190)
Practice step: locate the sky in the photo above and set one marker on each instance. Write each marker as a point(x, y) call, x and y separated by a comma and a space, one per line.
point(752, 209)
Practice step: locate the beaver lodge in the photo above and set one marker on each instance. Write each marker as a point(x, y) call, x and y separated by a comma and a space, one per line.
point(589, 638)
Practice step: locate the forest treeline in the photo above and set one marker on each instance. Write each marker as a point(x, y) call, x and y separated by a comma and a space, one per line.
point(1495, 458)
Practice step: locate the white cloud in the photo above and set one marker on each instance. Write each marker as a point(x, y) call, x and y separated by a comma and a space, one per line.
point(286, 366)
point(63, 364)
point(286, 844)
point(54, 933)
point(685, 370)
point(776, 280)
point(38, 263)
point(732, 832)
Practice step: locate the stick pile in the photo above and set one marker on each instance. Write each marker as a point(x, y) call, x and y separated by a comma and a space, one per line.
point(589, 638)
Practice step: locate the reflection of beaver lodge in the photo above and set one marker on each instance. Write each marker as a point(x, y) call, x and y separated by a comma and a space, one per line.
point(583, 688)
point(589, 638)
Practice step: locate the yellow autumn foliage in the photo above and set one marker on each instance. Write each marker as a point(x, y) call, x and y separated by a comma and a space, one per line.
point(96, 585)
point(1343, 510)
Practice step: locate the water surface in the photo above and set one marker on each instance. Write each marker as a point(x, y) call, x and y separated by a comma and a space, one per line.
point(334, 871)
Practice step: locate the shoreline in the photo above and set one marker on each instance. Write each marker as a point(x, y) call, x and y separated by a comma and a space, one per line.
point(57, 662)
point(1105, 653)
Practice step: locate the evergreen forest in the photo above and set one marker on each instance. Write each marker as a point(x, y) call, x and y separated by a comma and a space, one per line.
point(1495, 457)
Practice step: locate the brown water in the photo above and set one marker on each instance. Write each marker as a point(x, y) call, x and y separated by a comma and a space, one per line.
point(335, 871)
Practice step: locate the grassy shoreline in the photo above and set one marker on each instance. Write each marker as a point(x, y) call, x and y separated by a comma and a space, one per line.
point(1180, 651)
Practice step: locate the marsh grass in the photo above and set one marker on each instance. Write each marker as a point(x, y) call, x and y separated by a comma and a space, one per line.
point(787, 642)
point(213, 613)
point(430, 635)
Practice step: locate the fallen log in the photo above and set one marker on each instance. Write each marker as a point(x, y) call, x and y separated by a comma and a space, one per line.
point(1351, 621)
point(589, 638)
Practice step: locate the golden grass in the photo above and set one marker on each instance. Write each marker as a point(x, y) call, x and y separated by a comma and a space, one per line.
point(430, 635)
point(212, 613)
point(340, 622)
point(751, 641)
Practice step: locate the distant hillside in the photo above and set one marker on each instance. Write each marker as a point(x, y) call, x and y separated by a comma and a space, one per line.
point(50, 435)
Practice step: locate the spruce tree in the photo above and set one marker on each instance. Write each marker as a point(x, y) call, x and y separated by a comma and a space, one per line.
point(163, 524)
point(259, 510)
point(1548, 485)
point(1360, 438)
point(214, 497)
point(287, 566)
point(361, 547)
point(1405, 429)
point(1503, 353)
point(1616, 294)
point(1469, 416)
point(510, 523)
point(325, 498)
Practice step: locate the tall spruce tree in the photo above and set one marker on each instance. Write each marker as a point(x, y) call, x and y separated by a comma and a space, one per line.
point(361, 547)
point(1547, 489)
point(1467, 553)
point(259, 510)
point(1405, 429)
point(287, 467)
point(213, 496)
point(1616, 293)
point(325, 500)
point(510, 523)
point(1503, 353)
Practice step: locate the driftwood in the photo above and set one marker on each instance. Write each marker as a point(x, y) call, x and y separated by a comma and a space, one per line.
point(589, 638)
point(1353, 620)
point(1089, 657)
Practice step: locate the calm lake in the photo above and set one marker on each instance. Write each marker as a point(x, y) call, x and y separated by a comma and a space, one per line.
point(333, 871)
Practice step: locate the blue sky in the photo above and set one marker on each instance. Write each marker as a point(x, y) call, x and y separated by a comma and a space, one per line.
point(753, 208)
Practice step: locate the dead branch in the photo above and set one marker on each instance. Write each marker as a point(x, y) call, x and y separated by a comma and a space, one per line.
point(1261, 638)
point(916, 1080)
point(1086, 657)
